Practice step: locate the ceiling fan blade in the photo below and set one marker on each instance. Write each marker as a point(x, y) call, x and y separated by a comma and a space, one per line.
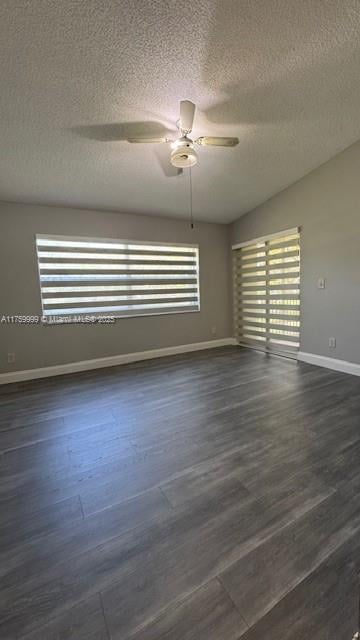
point(147, 140)
point(213, 141)
point(187, 113)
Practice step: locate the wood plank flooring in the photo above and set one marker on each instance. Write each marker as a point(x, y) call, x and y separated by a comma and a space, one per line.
point(209, 496)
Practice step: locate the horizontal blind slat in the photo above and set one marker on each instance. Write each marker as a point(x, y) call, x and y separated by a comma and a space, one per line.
point(249, 339)
point(124, 257)
point(271, 309)
point(110, 244)
point(98, 300)
point(122, 290)
point(86, 266)
point(130, 277)
point(109, 308)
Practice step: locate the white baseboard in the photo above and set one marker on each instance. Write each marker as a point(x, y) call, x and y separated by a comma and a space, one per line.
point(111, 361)
point(330, 363)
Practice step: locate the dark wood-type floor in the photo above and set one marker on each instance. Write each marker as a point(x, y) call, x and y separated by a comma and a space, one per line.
point(210, 496)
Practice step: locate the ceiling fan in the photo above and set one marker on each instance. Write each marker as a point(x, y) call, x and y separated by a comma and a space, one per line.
point(183, 152)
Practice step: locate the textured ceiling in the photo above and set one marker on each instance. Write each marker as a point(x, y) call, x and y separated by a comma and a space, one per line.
point(282, 75)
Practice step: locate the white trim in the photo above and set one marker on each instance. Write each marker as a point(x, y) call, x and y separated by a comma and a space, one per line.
point(330, 363)
point(285, 232)
point(111, 361)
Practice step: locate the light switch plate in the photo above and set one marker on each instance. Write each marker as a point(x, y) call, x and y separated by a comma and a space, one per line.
point(321, 283)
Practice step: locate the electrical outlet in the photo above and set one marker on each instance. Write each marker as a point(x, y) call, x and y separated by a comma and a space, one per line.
point(321, 283)
point(213, 330)
point(332, 343)
point(11, 357)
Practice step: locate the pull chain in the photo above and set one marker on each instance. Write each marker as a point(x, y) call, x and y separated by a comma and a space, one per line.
point(191, 203)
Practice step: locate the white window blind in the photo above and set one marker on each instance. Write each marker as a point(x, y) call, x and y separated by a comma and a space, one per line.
point(116, 277)
point(267, 292)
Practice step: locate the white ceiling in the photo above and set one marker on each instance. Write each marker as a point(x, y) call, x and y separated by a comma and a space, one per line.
point(282, 75)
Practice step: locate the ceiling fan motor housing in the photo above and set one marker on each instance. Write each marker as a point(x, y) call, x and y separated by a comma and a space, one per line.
point(183, 153)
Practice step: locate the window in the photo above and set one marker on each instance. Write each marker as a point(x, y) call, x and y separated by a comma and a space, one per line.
point(267, 292)
point(116, 277)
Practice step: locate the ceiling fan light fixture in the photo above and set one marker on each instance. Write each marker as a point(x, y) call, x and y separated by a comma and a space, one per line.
point(183, 153)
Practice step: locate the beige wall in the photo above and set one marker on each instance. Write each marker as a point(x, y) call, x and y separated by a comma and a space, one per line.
point(38, 346)
point(326, 204)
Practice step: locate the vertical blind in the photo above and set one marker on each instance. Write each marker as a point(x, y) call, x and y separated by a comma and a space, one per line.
point(116, 277)
point(267, 292)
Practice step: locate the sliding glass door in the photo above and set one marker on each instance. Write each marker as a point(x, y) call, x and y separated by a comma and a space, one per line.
point(267, 292)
